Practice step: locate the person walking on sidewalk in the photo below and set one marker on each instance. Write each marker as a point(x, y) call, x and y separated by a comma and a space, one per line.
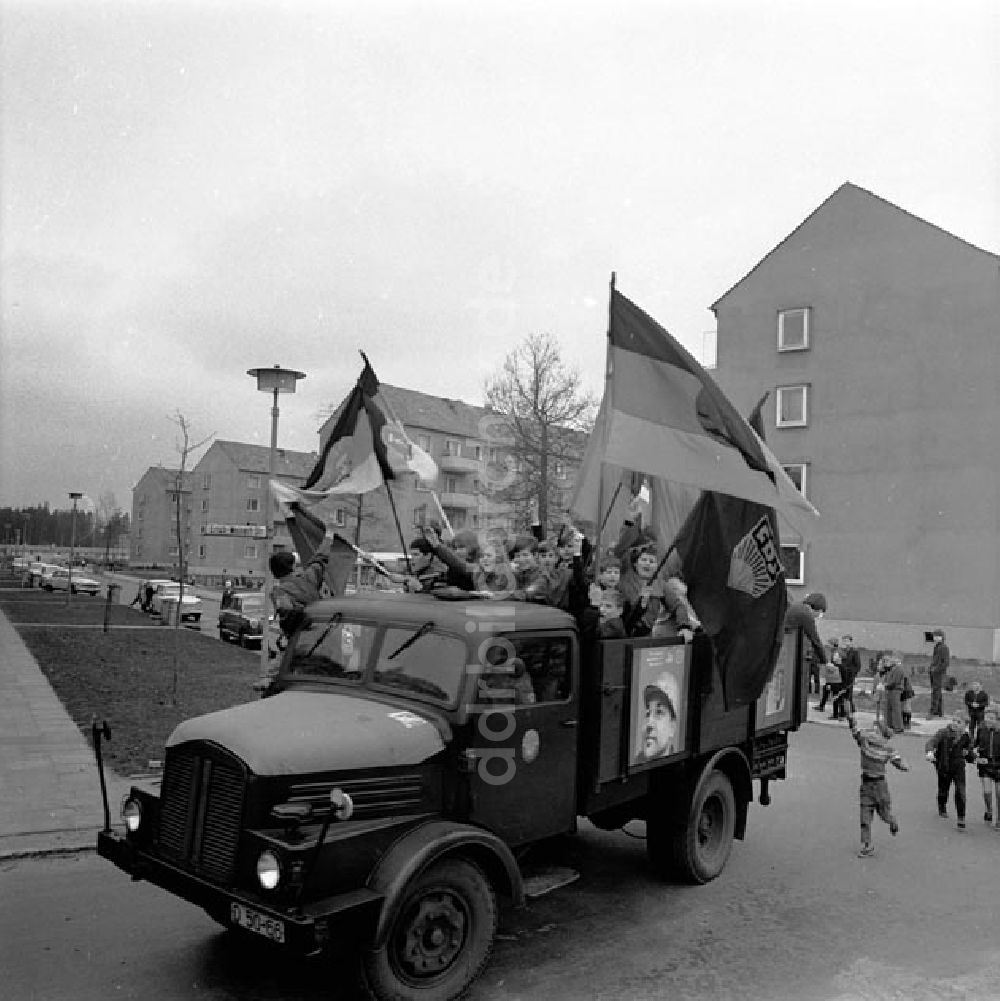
point(949, 749)
point(850, 668)
point(893, 679)
point(876, 753)
point(940, 662)
point(976, 701)
point(831, 677)
point(987, 749)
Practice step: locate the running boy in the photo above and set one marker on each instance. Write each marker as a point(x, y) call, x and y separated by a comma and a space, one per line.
point(876, 753)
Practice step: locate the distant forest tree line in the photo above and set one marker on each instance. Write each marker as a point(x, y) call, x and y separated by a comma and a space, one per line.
point(96, 525)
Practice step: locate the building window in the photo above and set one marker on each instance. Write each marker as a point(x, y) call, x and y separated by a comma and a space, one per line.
point(797, 473)
point(491, 455)
point(793, 560)
point(451, 484)
point(253, 504)
point(201, 552)
point(452, 447)
point(793, 406)
point(420, 515)
point(340, 517)
point(172, 551)
point(424, 442)
point(206, 481)
point(793, 329)
point(250, 551)
point(253, 482)
point(477, 452)
point(204, 503)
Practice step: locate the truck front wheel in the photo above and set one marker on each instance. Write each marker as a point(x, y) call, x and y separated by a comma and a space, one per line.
point(440, 938)
point(703, 844)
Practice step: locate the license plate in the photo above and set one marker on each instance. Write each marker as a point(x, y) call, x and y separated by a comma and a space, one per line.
point(247, 917)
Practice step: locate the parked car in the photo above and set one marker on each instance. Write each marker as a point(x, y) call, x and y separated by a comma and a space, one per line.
point(242, 619)
point(39, 569)
point(170, 590)
point(148, 588)
point(59, 580)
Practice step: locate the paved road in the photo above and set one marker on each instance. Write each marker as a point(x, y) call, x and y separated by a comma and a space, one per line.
point(796, 916)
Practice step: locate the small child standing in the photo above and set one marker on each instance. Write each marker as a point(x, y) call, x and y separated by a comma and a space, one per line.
point(876, 753)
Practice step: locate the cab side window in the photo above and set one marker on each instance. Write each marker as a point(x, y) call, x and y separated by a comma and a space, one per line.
point(538, 671)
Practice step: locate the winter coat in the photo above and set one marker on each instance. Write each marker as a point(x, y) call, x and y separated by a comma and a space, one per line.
point(952, 748)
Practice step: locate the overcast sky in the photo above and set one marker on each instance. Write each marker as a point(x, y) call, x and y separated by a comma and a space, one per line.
point(190, 190)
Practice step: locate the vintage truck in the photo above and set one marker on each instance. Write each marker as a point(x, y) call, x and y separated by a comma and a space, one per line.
point(413, 745)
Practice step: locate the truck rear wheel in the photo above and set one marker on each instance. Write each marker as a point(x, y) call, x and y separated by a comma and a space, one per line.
point(440, 938)
point(703, 844)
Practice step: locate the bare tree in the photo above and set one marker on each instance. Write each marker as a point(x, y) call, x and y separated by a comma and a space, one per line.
point(184, 448)
point(548, 415)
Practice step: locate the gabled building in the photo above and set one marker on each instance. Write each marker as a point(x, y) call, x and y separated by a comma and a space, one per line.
point(877, 335)
point(153, 539)
point(228, 484)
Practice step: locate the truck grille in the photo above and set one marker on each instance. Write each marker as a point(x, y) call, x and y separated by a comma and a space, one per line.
point(201, 807)
point(372, 796)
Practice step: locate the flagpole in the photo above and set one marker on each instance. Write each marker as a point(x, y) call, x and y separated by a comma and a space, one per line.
point(609, 409)
point(399, 528)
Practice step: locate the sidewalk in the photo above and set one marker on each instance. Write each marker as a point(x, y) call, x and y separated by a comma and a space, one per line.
point(920, 726)
point(50, 792)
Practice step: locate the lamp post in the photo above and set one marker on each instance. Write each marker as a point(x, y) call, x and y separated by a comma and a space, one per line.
point(72, 546)
point(273, 380)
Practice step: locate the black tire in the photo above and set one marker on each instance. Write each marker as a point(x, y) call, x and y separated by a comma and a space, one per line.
point(73, 589)
point(440, 938)
point(702, 845)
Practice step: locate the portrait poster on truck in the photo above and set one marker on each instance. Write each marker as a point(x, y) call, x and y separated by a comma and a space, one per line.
point(659, 702)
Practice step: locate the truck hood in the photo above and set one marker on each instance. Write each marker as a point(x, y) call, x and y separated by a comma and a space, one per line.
point(299, 732)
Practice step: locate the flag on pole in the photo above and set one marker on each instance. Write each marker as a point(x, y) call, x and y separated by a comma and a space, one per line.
point(663, 415)
point(729, 552)
point(716, 488)
point(367, 447)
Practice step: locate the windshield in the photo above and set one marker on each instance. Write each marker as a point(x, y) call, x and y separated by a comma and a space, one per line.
point(406, 659)
point(332, 650)
point(431, 664)
point(253, 605)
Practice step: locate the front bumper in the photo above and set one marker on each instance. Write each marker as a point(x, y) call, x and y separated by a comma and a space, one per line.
point(306, 929)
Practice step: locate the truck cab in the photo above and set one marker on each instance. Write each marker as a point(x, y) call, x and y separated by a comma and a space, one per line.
point(410, 746)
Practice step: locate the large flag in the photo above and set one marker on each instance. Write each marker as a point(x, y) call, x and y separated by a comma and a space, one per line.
point(715, 489)
point(729, 550)
point(663, 415)
point(367, 447)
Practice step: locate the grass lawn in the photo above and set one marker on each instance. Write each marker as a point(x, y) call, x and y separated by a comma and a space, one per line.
point(126, 675)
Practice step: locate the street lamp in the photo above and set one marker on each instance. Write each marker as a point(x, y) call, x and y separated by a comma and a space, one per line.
point(271, 380)
point(72, 547)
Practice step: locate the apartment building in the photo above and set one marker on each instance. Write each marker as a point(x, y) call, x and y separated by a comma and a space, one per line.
point(153, 539)
point(877, 335)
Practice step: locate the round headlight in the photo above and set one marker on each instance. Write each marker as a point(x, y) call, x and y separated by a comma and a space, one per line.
point(132, 814)
point(268, 870)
